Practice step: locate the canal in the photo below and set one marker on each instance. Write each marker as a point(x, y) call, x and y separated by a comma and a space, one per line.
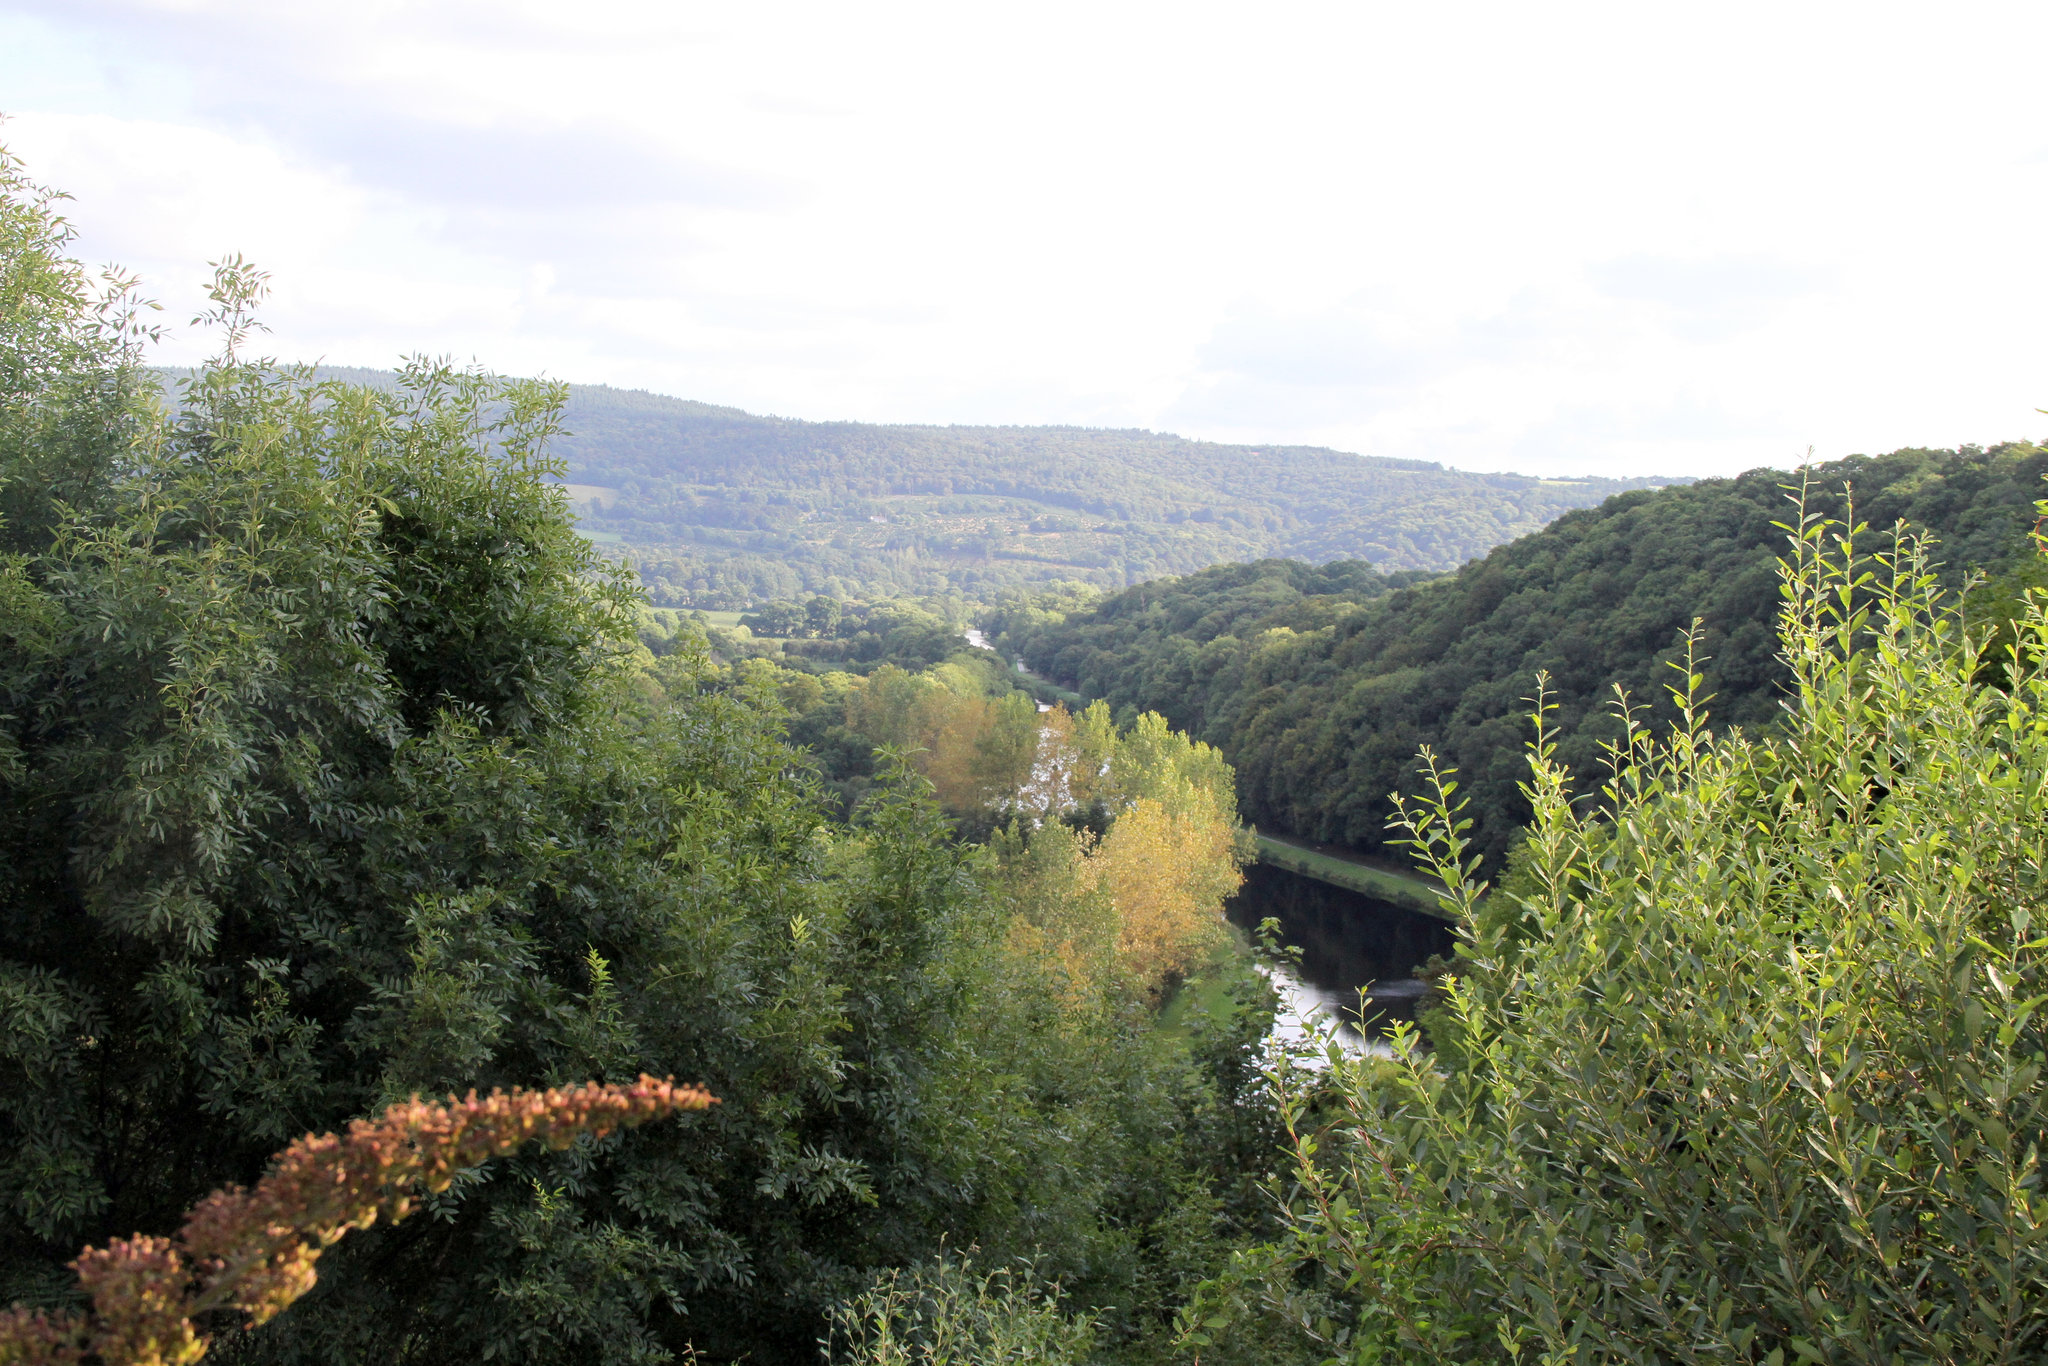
point(1348, 941)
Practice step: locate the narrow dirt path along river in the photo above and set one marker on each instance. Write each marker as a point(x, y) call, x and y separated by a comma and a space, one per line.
point(1348, 941)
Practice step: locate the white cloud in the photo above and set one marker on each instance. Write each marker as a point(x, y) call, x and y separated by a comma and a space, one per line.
point(1601, 238)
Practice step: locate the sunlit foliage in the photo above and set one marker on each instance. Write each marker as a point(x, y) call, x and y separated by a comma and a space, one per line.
point(944, 1313)
point(1139, 905)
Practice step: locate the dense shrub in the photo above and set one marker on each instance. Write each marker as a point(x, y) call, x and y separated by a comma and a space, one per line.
point(944, 1313)
point(1744, 1062)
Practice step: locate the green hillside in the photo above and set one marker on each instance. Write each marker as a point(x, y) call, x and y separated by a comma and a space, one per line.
point(723, 508)
point(1320, 687)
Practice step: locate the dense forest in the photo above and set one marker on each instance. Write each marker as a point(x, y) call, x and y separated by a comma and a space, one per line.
point(1320, 685)
point(723, 509)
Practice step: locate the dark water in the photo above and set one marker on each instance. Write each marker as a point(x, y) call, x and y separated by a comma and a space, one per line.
point(1347, 941)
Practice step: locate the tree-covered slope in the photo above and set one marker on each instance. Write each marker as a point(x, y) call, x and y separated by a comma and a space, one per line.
point(724, 508)
point(1320, 692)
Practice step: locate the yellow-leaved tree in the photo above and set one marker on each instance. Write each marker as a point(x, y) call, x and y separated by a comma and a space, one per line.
point(976, 750)
point(1140, 905)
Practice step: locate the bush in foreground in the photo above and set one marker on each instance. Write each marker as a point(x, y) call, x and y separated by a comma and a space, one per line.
point(1744, 1065)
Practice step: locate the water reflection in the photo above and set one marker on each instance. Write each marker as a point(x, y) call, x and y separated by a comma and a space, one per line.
point(1347, 941)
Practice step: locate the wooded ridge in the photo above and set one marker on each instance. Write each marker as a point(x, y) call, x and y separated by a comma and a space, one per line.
point(723, 508)
point(1320, 684)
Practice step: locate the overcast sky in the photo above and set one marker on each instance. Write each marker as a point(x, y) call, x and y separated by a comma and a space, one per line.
point(1564, 238)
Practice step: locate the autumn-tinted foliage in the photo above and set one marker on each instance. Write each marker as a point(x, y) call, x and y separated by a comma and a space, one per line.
point(252, 1251)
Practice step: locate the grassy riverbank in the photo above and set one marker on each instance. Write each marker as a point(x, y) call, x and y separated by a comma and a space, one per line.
point(1047, 691)
point(1409, 891)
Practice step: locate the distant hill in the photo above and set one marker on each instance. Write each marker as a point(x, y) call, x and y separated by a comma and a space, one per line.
point(723, 508)
point(1319, 684)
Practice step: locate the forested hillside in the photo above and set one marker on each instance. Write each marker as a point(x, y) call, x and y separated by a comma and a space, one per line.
point(722, 508)
point(1320, 686)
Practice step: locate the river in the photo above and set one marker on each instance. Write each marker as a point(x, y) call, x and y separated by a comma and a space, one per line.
point(1347, 940)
